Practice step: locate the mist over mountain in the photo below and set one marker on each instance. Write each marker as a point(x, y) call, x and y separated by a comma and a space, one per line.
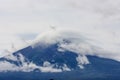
point(58, 56)
point(59, 39)
point(97, 20)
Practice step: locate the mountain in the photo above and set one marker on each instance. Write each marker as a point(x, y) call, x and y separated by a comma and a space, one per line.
point(49, 62)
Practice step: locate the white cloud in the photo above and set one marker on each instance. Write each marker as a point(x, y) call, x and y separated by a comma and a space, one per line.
point(6, 66)
point(27, 66)
point(100, 44)
point(97, 20)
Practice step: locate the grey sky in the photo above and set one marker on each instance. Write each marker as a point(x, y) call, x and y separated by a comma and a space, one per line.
point(99, 20)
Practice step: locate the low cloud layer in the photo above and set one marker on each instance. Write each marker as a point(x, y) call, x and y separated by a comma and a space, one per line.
point(81, 43)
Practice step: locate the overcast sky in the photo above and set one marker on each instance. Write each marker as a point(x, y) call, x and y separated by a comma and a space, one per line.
point(25, 19)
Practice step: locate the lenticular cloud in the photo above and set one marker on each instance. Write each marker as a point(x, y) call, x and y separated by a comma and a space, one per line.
point(81, 43)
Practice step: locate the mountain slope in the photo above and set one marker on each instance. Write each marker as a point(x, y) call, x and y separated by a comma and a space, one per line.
point(48, 62)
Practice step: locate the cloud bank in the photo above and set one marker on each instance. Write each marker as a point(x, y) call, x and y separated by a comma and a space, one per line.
point(80, 43)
